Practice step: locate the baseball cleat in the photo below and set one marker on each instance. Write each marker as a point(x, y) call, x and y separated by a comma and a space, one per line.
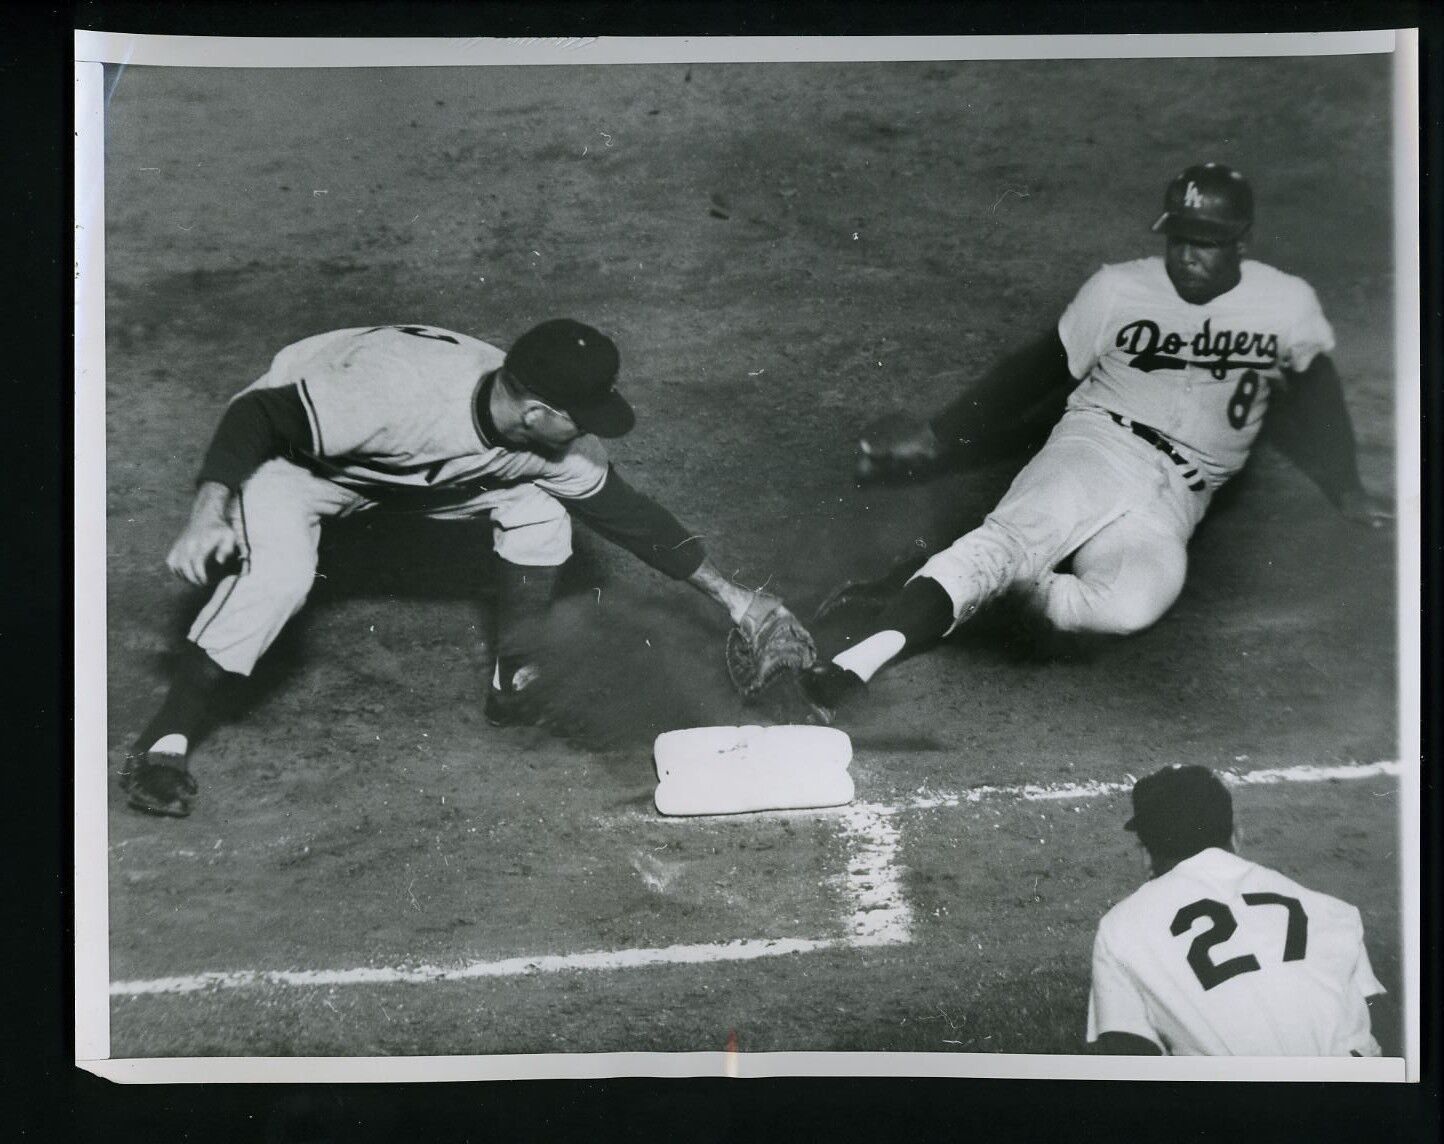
point(158, 784)
point(809, 697)
point(862, 595)
point(869, 597)
point(511, 709)
point(826, 687)
point(516, 705)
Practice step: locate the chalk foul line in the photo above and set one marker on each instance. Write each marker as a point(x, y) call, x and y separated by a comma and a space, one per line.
point(741, 950)
point(872, 885)
point(1050, 792)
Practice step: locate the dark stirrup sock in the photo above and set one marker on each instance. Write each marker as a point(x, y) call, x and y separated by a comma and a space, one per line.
point(922, 612)
point(524, 595)
point(189, 705)
point(916, 618)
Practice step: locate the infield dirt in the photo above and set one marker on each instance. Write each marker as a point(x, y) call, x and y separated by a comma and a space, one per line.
point(781, 253)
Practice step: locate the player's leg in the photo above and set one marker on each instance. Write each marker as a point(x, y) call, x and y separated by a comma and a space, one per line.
point(944, 592)
point(1070, 490)
point(277, 514)
point(524, 597)
point(1122, 580)
point(533, 538)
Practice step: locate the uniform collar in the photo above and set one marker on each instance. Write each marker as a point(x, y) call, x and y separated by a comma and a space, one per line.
point(481, 413)
point(1215, 859)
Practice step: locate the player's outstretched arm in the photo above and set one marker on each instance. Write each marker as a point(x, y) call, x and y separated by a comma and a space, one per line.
point(207, 537)
point(620, 513)
point(636, 522)
point(741, 604)
point(1017, 400)
point(1308, 421)
point(766, 637)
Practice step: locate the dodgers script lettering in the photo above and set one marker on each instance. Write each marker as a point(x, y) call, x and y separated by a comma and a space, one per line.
point(1217, 351)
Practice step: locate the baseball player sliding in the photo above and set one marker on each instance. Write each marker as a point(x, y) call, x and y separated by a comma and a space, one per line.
point(1219, 956)
point(1171, 363)
point(416, 419)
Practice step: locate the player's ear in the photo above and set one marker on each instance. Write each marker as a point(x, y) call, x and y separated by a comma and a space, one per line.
point(1235, 839)
point(1145, 859)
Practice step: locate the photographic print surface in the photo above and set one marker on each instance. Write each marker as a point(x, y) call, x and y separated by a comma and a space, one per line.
point(782, 254)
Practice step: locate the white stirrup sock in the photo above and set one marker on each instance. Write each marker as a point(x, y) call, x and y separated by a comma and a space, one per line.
point(872, 655)
point(172, 744)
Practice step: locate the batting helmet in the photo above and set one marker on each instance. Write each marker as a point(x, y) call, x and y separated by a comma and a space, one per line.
point(1208, 202)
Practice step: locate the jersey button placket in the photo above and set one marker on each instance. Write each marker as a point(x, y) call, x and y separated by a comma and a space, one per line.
point(1181, 397)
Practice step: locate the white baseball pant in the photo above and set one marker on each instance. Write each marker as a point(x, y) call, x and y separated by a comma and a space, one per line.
point(1113, 501)
point(278, 513)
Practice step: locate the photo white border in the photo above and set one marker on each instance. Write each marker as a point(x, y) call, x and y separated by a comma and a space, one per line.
point(92, 838)
point(595, 1066)
point(1408, 469)
point(92, 971)
point(304, 52)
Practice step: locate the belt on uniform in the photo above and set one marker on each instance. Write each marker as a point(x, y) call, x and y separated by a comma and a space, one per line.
point(1160, 442)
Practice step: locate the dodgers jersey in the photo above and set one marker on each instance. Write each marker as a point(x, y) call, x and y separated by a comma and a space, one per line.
point(1223, 957)
point(1199, 374)
point(393, 408)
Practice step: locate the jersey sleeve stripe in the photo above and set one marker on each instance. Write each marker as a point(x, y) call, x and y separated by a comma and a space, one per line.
point(312, 417)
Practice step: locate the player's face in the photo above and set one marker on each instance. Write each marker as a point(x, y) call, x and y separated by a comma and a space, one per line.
point(1201, 271)
point(548, 429)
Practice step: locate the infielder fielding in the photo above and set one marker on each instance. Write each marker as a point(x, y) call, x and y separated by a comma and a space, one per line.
point(423, 420)
point(1219, 956)
point(1171, 363)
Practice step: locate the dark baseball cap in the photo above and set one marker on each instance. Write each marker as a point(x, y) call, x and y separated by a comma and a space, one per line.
point(573, 367)
point(1181, 810)
point(1208, 202)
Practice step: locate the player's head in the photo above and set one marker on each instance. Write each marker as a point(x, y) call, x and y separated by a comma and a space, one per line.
point(1179, 811)
point(562, 377)
point(1207, 211)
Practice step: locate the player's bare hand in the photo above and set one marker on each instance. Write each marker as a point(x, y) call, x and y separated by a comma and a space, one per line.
point(200, 547)
point(759, 608)
point(767, 641)
point(208, 539)
point(1366, 509)
point(899, 447)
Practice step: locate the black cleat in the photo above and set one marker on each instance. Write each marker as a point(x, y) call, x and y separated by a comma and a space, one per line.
point(514, 706)
point(827, 687)
point(158, 784)
point(810, 697)
point(871, 596)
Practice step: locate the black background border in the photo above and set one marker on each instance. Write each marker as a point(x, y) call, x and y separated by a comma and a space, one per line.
point(50, 1099)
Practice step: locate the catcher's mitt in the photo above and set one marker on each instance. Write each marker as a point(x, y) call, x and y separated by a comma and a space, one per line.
point(767, 641)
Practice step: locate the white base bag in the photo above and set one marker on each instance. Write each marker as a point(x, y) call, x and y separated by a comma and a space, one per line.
point(734, 770)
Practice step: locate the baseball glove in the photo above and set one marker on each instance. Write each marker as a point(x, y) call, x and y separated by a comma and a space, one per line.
point(767, 641)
